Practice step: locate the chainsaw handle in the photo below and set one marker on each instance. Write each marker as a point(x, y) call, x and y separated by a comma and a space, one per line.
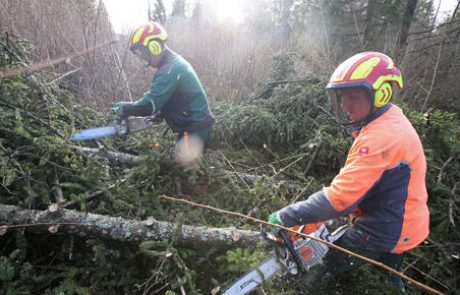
point(290, 246)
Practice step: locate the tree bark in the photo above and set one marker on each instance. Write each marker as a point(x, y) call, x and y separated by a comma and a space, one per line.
point(409, 13)
point(371, 5)
point(285, 27)
point(115, 157)
point(124, 230)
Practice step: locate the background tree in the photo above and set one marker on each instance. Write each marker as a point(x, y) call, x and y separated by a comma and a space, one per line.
point(409, 13)
point(158, 12)
point(179, 9)
point(59, 29)
point(282, 15)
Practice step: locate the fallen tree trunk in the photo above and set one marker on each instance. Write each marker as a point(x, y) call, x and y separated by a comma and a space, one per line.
point(114, 157)
point(58, 221)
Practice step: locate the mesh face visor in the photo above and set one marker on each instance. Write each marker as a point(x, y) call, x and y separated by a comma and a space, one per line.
point(335, 101)
point(142, 53)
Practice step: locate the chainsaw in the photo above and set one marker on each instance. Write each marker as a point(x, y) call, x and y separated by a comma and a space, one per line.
point(123, 126)
point(293, 254)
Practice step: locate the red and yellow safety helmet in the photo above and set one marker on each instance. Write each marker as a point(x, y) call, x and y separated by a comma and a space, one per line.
point(150, 36)
point(374, 71)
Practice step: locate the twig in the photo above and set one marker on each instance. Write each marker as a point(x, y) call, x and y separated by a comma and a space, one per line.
point(443, 168)
point(279, 82)
point(434, 76)
point(57, 188)
point(284, 168)
point(8, 190)
point(410, 265)
point(256, 208)
point(121, 72)
point(160, 289)
point(236, 172)
point(153, 278)
point(452, 204)
point(371, 261)
point(451, 211)
point(313, 158)
point(357, 29)
point(303, 190)
point(92, 196)
point(63, 76)
point(265, 146)
point(250, 152)
point(279, 161)
point(430, 277)
point(181, 287)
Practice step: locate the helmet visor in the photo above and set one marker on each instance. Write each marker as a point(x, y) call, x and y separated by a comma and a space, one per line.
point(351, 104)
point(142, 53)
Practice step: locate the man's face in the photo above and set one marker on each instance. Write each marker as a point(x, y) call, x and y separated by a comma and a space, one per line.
point(145, 55)
point(355, 102)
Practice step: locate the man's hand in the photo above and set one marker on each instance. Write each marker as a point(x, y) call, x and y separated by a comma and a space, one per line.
point(117, 108)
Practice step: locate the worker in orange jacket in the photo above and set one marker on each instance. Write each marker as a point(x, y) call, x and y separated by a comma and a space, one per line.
point(382, 184)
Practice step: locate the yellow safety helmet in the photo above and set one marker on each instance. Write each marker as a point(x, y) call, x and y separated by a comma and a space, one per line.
point(374, 71)
point(150, 36)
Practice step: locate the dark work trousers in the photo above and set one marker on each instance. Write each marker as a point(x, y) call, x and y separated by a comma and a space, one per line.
point(337, 262)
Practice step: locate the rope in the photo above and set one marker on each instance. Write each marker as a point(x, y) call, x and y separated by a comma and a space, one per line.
point(371, 261)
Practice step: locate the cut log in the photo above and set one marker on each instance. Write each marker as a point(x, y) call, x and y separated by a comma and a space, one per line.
point(114, 157)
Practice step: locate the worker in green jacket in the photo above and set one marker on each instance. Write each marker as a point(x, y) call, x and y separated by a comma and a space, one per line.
point(175, 92)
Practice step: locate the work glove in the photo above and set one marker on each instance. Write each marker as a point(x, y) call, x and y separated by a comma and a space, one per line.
point(117, 108)
point(275, 219)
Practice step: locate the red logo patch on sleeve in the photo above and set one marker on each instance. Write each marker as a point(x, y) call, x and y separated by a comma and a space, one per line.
point(363, 151)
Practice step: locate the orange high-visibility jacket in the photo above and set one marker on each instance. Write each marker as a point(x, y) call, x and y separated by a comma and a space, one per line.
point(382, 183)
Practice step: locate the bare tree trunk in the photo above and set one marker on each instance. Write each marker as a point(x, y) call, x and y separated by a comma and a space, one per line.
point(68, 222)
point(455, 11)
point(371, 5)
point(285, 13)
point(405, 26)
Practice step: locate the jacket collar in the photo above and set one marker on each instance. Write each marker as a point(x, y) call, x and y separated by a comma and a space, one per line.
point(167, 57)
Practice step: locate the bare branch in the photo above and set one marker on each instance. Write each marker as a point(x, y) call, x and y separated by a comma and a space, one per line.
point(47, 64)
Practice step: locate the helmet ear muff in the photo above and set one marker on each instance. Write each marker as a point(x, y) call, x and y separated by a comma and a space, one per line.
point(383, 95)
point(154, 47)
